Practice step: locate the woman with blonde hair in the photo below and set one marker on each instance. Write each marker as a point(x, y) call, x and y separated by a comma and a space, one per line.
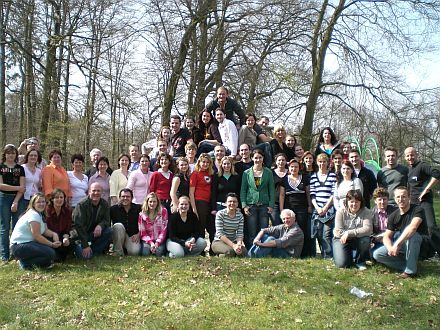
point(32, 243)
point(226, 181)
point(200, 193)
point(278, 144)
point(153, 221)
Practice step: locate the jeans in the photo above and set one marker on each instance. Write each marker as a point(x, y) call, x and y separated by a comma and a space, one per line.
point(146, 251)
point(33, 254)
point(98, 243)
point(343, 253)
point(6, 216)
point(275, 215)
point(323, 232)
point(257, 220)
point(178, 251)
point(429, 215)
point(260, 252)
point(406, 260)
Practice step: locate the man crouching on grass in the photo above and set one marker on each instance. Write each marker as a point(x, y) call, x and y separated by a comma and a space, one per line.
point(403, 237)
point(282, 241)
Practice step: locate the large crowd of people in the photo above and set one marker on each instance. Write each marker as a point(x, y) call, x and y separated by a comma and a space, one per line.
point(225, 182)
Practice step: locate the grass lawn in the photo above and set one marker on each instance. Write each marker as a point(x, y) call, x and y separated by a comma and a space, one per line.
point(135, 292)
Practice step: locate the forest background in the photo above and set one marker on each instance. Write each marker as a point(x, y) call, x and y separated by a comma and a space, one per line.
point(81, 73)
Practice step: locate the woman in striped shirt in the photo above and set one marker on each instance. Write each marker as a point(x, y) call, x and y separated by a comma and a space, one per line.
point(322, 186)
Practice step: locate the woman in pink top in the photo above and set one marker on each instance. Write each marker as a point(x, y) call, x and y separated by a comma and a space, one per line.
point(139, 180)
point(153, 221)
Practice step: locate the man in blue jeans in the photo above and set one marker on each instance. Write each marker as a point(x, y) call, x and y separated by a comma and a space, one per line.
point(91, 219)
point(403, 237)
point(282, 241)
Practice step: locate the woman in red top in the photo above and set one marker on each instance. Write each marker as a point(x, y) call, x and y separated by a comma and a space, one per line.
point(59, 220)
point(161, 180)
point(200, 193)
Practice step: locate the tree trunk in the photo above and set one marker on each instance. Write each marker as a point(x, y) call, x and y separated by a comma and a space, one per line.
point(4, 15)
point(320, 42)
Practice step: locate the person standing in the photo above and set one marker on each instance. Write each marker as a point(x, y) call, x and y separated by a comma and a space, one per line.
point(180, 136)
point(12, 188)
point(392, 175)
point(257, 196)
point(367, 176)
point(421, 178)
point(134, 157)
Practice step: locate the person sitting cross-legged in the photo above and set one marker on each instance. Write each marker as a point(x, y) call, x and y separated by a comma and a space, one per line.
point(404, 235)
point(353, 227)
point(282, 241)
point(229, 224)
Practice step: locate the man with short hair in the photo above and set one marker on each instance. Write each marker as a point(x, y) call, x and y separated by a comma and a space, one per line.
point(229, 223)
point(403, 237)
point(124, 217)
point(179, 136)
point(282, 241)
point(392, 175)
point(246, 160)
point(264, 124)
point(32, 143)
point(228, 131)
point(219, 153)
point(364, 174)
point(134, 157)
point(91, 220)
point(162, 146)
point(421, 178)
point(228, 104)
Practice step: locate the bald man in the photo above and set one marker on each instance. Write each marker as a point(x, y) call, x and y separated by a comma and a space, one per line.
point(91, 219)
point(421, 178)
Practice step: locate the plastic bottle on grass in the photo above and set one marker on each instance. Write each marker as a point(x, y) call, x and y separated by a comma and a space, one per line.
point(360, 293)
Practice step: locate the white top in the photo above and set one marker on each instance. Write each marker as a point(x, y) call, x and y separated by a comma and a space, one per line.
point(343, 188)
point(33, 182)
point(78, 187)
point(229, 134)
point(22, 230)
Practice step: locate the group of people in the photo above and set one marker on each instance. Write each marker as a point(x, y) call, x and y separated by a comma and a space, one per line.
point(252, 191)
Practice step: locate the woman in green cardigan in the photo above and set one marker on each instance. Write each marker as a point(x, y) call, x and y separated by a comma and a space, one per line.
point(257, 196)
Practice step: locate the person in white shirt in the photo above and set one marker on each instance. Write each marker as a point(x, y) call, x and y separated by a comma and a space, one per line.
point(228, 131)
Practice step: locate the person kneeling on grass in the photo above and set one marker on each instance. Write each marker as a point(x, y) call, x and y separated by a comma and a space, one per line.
point(282, 241)
point(229, 224)
point(91, 219)
point(403, 238)
point(353, 227)
point(184, 231)
point(30, 243)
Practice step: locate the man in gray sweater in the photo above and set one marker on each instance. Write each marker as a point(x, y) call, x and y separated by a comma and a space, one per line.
point(282, 241)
